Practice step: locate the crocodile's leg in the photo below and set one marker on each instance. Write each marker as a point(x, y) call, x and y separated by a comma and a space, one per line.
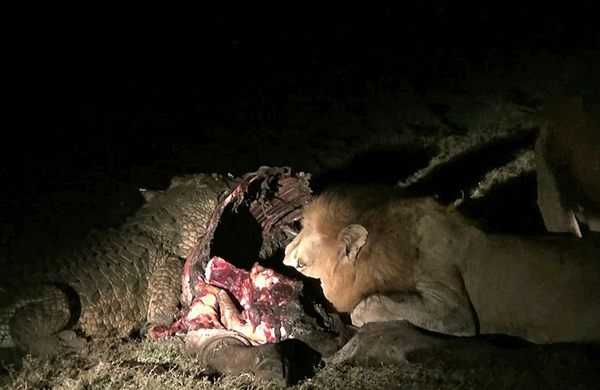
point(164, 292)
point(40, 323)
point(228, 353)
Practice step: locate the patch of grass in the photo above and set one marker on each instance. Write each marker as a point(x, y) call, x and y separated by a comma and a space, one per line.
point(162, 365)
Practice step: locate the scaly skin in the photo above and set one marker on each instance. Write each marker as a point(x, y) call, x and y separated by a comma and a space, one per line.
point(116, 282)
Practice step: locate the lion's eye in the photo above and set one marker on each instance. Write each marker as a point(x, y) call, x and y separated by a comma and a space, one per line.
point(300, 264)
point(296, 225)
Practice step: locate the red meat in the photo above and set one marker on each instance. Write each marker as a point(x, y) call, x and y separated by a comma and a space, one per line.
point(259, 304)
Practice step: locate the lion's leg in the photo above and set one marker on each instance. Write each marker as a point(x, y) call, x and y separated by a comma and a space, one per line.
point(390, 342)
point(433, 311)
point(398, 342)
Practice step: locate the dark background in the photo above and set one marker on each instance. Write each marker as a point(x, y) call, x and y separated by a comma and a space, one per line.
point(108, 101)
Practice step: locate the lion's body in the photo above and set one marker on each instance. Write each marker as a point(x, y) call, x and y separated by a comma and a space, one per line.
point(419, 262)
point(544, 290)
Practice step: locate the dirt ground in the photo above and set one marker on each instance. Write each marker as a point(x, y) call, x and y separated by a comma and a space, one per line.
point(150, 365)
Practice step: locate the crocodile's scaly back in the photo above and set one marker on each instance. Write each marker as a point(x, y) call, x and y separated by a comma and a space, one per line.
point(115, 281)
point(178, 216)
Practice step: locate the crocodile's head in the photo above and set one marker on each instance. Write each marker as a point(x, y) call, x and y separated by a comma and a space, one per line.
point(179, 215)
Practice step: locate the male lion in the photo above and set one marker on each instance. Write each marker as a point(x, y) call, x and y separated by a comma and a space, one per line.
point(382, 257)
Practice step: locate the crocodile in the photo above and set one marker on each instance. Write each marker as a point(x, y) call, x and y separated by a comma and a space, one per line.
point(115, 283)
point(137, 278)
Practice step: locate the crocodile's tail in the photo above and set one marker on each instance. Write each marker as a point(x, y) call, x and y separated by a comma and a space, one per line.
point(31, 318)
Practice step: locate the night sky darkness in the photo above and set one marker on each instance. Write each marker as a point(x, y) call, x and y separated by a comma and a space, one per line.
point(137, 101)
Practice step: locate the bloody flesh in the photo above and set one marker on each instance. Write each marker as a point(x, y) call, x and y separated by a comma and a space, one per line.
point(255, 303)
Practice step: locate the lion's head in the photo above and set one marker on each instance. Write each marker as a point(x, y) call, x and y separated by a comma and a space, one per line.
point(316, 254)
point(345, 242)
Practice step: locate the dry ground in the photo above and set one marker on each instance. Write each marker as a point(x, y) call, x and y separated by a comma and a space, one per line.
point(148, 365)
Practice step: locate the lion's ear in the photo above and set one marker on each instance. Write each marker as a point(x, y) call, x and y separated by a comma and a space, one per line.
point(351, 239)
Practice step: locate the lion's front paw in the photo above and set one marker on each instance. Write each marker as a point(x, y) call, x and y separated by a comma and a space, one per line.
point(373, 309)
